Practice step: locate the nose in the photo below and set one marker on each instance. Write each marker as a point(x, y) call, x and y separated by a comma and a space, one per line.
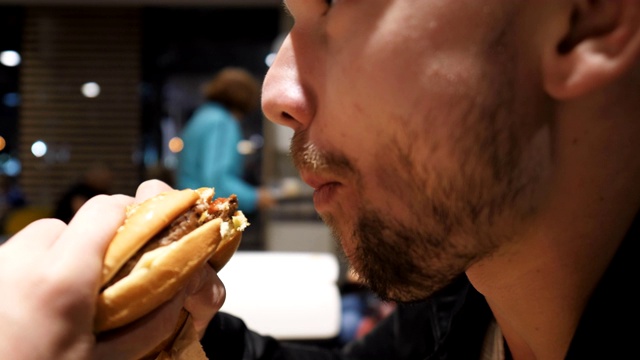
point(284, 100)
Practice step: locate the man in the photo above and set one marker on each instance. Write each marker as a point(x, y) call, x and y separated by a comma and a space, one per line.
point(478, 159)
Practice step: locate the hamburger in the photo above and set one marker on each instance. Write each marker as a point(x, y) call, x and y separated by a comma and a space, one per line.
point(161, 244)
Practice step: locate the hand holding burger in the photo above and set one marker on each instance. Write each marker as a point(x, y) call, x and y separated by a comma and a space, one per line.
point(160, 246)
point(50, 273)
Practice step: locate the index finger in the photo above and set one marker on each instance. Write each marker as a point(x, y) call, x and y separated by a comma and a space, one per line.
point(80, 249)
point(150, 188)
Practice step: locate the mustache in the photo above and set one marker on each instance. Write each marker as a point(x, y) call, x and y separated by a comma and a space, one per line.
point(307, 156)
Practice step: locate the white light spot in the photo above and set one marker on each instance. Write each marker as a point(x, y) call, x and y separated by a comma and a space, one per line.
point(270, 59)
point(39, 148)
point(91, 89)
point(245, 147)
point(10, 58)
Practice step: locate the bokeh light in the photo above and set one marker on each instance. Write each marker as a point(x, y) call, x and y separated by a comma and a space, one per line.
point(176, 144)
point(39, 148)
point(90, 89)
point(10, 58)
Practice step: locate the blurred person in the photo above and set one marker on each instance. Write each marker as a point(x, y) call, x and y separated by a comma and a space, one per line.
point(97, 179)
point(12, 198)
point(478, 163)
point(11, 195)
point(210, 157)
point(50, 275)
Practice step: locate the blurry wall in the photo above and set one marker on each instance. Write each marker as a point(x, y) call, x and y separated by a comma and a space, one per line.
point(64, 49)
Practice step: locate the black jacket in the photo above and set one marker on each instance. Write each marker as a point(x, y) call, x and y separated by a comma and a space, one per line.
point(453, 323)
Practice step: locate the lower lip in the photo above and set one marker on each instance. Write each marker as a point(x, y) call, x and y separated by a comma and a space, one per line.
point(324, 195)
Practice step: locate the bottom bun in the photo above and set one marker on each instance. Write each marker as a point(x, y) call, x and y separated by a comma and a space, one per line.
point(184, 343)
point(156, 278)
point(226, 248)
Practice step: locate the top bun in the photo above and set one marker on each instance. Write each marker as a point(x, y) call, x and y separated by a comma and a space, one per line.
point(142, 222)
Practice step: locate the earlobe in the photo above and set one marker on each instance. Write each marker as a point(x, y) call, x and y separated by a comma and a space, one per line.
point(601, 43)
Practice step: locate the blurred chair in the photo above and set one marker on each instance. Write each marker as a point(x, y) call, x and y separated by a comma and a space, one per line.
point(16, 219)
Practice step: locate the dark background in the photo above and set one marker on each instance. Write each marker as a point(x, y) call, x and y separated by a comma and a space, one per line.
point(182, 48)
point(10, 39)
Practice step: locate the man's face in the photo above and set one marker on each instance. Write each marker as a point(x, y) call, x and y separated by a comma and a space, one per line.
point(418, 122)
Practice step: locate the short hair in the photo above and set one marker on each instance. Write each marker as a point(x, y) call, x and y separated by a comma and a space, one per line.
point(234, 88)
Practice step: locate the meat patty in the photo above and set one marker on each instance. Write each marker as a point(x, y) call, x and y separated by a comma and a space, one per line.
point(197, 215)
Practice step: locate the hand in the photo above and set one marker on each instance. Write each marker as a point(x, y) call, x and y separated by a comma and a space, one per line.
point(266, 200)
point(49, 278)
point(49, 275)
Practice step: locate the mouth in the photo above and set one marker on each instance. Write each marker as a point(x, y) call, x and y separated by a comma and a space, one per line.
point(325, 190)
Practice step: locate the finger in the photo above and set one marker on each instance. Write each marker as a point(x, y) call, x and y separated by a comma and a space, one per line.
point(140, 337)
point(150, 188)
point(206, 295)
point(36, 237)
point(81, 246)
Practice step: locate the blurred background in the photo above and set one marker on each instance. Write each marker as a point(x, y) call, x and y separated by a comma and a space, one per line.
point(114, 81)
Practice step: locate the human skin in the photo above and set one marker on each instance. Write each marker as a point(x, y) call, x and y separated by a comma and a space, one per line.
point(434, 128)
point(51, 274)
point(449, 137)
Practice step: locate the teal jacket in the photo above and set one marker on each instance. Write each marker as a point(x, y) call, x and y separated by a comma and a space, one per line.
point(210, 156)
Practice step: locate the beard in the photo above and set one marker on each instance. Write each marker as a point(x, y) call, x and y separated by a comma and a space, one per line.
point(401, 263)
point(438, 221)
point(407, 258)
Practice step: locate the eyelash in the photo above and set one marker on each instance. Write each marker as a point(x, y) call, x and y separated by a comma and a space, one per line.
point(330, 4)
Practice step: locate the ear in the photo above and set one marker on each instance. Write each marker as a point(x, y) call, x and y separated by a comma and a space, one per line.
point(601, 42)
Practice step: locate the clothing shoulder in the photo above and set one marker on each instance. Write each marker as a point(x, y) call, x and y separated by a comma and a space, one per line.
point(211, 108)
point(211, 113)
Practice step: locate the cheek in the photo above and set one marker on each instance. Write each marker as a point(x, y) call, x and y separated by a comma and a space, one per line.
point(397, 91)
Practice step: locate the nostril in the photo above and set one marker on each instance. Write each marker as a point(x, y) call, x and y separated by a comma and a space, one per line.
point(286, 116)
point(288, 120)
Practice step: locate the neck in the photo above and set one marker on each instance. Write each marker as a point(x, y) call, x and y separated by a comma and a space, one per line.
point(538, 285)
